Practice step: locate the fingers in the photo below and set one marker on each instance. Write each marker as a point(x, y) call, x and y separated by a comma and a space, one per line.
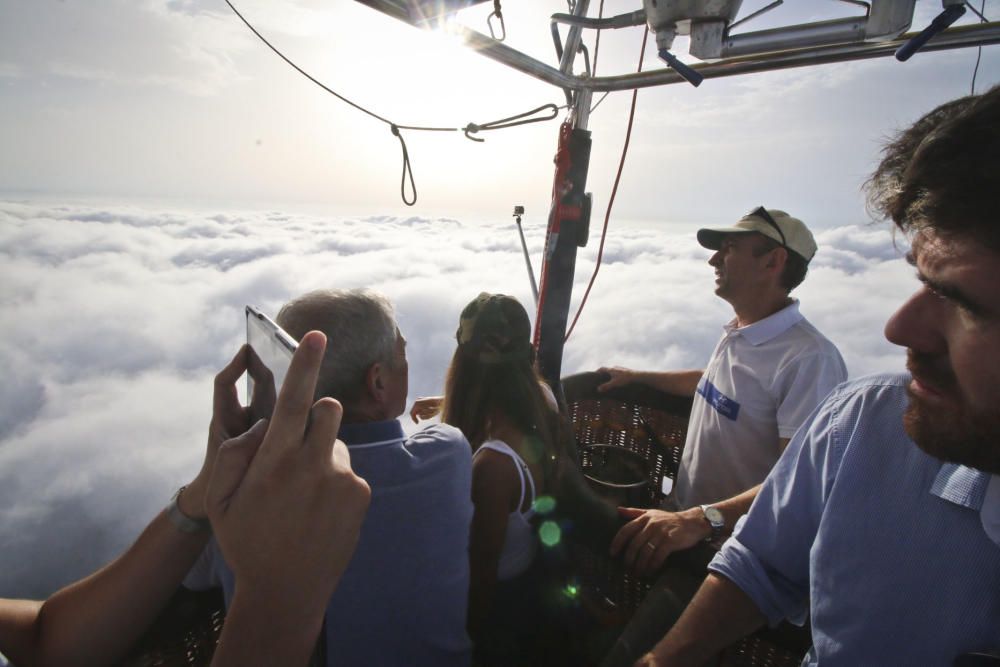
point(625, 535)
point(630, 512)
point(225, 380)
point(617, 377)
point(604, 386)
point(341, 455)
point(231, 464)
point(614, 379)
point(650, 532)
point(651, 556)
point(658, 558)
point(257, 369)
point(634, 549)
point(234, 369)
point(425, 408)
point(649, 538)
point(323, 427)
point(296, 399)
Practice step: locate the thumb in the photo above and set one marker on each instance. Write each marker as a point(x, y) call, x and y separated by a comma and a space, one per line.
point(610, 383)
point(231, 465)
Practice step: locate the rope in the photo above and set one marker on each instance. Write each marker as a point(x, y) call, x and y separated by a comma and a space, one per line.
point(396, 127)
point(979, 54)
point(614, 192)
point(512, 121)
point(407, 169)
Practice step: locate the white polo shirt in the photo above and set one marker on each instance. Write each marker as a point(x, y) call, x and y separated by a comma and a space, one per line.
point(762, 382)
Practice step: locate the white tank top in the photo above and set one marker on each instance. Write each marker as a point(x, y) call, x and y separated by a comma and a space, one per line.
point(520, 543)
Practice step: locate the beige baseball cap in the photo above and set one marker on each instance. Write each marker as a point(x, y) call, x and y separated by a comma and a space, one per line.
point(790, 232)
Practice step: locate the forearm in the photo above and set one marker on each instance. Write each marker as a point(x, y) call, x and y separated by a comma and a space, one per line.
point(719, 614)
point(95, 620)
point(680, 383)
point(697, 526)
point(18, 629)
point(270, 627)
point(733, 508)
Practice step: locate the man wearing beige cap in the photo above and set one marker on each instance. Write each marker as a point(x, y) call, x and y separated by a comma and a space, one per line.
point(768, 372)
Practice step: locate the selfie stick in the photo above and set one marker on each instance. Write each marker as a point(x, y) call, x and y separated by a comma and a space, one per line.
point(518, 212)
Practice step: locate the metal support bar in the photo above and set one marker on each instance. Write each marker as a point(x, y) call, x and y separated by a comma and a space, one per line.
point(573, 39)
point(821, 33)
point(982, 34)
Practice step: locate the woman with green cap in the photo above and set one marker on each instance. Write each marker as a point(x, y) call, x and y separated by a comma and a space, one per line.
point(495, 396)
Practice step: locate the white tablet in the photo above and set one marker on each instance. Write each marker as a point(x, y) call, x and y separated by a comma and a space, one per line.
point(274, 347)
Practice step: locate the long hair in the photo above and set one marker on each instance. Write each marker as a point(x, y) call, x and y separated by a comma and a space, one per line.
point(492, 373)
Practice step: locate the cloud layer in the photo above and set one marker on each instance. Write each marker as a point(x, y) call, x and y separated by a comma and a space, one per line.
point(117, 317)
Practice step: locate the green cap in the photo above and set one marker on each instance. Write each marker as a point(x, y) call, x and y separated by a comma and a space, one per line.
point(495, 328)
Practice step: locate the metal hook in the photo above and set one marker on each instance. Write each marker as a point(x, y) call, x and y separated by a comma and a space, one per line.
point(503, 28)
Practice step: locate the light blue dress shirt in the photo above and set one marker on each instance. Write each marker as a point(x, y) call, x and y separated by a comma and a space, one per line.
point(880, 543)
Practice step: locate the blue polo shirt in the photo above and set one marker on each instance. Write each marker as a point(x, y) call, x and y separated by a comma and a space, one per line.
point(402, 599)
point(884, 545)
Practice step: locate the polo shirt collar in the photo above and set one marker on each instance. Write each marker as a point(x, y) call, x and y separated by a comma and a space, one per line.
point(961, 485)
point(366, 432)
point(771, 326)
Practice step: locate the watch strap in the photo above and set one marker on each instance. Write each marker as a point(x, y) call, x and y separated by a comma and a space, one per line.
point(718, 525)
point(183, 522)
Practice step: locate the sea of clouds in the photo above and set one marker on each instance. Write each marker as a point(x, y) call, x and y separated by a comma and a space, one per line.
point(116, 317)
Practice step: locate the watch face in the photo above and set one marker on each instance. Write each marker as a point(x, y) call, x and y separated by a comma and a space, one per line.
point(714, 516)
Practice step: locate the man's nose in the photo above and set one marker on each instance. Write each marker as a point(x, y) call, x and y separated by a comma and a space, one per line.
point(917, 323)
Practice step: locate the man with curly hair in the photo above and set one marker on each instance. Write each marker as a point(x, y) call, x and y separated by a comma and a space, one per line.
point(881, 521)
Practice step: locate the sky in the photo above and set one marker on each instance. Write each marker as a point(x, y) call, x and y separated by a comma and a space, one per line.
point(177, 100)
point(161, 169)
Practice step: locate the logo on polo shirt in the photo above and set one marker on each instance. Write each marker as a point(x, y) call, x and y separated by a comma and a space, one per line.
point(724, 405)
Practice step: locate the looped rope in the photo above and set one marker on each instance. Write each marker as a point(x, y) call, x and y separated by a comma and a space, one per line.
point(407, 169)
point(512, 121)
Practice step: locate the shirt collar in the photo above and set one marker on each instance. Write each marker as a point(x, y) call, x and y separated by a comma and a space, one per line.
point(961, 485)
point(773, 325)
point(366, 432)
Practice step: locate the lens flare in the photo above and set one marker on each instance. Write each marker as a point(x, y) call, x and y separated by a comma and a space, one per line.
point(550, 533)
point(545, 504)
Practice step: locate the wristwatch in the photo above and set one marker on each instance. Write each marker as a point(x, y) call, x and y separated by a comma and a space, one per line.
point(715, 520)
point(183, 522)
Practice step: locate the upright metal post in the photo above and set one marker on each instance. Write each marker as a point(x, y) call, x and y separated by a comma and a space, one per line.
point(567, 230)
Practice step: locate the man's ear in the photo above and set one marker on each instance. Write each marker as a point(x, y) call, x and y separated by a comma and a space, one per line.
point(374, 382)
point(776, 259)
